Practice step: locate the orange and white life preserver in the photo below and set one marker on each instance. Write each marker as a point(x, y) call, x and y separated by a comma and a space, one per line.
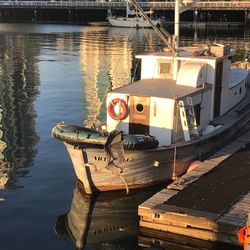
point(122, 109)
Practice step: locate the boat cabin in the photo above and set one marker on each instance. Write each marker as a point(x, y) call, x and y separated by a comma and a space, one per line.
point(178, 96)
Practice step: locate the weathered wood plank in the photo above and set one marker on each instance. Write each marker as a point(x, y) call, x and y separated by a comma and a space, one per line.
point(168, 192)
point(159, 197)
point(193, 232)
point(166, 214)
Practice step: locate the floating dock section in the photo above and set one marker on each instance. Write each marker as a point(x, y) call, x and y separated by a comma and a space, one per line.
point(212, 201)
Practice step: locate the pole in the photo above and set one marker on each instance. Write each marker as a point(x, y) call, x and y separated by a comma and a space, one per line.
point(176, 37)
point(177, 25)
point(127, 10)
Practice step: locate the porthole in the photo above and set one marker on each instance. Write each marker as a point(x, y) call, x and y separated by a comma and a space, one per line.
point(235, 93)
point(240, 90)
point(139, 107)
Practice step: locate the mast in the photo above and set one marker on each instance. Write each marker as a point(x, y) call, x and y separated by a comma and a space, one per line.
point(185, 5)
point(176, 37)
point(176, 25)
point(127, 10)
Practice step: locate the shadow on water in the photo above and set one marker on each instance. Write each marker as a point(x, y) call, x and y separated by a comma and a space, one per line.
point(105, 219)
point(19, 83)
point(163, 240)
point(109, 221)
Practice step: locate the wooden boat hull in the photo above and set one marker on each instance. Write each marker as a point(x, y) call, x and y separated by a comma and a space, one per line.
point(140, 168)
point(93, 166)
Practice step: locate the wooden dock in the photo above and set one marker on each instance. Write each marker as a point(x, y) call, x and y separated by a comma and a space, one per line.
point(211, 203)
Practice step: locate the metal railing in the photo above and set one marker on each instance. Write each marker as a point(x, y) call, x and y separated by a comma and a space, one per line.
point(122, 4)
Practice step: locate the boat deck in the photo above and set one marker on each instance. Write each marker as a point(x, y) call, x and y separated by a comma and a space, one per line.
point(211, 203)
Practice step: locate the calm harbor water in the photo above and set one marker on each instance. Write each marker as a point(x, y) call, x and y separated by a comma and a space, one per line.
point(53, 73)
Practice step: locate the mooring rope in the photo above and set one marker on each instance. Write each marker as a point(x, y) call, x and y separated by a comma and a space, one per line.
point(122, 178)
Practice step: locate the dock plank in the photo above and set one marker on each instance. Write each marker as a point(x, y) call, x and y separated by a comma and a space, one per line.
point(199, 219)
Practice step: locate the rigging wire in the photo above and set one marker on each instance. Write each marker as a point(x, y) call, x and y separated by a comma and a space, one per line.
point(150, 44)
point(212, 23)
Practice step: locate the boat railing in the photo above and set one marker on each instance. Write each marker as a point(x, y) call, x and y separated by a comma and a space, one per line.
point(97, 4)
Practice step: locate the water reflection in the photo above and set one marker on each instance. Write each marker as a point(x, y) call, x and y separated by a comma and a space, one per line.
point(106, 63)
point(19, 82)
point(158, 240)
point(107, 58)
point(107, 220)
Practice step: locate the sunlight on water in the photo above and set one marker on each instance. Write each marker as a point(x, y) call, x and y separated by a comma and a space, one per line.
point(53, 73)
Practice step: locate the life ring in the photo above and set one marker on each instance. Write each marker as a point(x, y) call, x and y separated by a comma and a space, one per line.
point(123, 109)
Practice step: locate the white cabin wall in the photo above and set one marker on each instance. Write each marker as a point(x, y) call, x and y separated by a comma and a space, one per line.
point(161, 118)
point(210, 72)
point(192, 74)
point(114, 124)
point(233, 90)
point(225, 101)
point(161, 115)
point(210, 78)
point(149, 68)
point(236, 93)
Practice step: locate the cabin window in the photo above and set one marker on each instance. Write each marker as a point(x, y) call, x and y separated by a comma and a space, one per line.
point(197, 112)
point(139, 107)
point(165, 68)
point(240, 90)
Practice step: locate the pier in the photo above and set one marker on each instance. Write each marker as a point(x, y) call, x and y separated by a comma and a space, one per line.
point(85, 11)
point(211, 203)
point(160, 5)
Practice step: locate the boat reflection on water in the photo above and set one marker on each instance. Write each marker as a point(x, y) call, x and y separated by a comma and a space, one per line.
point(152, 239)
point(105, 220)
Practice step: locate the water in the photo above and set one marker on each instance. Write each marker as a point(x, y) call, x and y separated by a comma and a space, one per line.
point(53, 73)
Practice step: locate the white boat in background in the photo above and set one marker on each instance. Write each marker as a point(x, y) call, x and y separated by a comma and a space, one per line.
point(133, 19)
point(131, 22)
point(189, 102)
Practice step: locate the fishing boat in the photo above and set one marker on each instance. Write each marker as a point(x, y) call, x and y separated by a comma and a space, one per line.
point(133, 19)
point(189, 102)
